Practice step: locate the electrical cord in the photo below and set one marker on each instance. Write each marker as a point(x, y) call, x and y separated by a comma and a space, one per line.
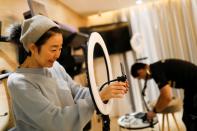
point(146, 106)
point(122, 78)
point(5, 114)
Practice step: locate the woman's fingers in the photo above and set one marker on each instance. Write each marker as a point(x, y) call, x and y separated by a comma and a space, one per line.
point(114, 90)
point(118, 95)
point(120, 84)
point(118, 90)
point(115, 87)
point(122, 87)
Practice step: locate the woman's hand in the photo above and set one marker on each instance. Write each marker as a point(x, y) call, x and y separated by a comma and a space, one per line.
point(114, 90)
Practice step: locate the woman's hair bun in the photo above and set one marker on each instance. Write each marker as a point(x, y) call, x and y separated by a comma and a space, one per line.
point(14, 33)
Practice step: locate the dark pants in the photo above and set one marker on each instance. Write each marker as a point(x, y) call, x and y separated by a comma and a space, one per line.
point(190, 122)
point(190, 111)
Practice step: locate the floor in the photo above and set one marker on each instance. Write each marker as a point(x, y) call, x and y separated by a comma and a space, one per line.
point(96, 124)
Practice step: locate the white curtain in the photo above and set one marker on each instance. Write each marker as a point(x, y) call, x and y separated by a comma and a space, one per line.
point(169, 30)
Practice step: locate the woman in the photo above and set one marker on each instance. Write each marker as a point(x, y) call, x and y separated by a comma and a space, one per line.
point(45, 98)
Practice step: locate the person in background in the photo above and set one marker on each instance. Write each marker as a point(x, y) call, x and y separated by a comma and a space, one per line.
point(44, 96)
point(183, 74)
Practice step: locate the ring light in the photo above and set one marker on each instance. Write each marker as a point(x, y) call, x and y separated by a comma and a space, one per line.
point(94, 39)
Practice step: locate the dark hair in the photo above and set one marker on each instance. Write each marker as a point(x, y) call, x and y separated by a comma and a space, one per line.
point(46, 36)
point(135, 67)
point(15, 33)
point(14, 37)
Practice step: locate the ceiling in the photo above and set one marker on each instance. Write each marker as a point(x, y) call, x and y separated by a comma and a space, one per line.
point(90, 7)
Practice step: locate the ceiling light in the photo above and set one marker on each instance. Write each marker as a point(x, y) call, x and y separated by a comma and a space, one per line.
point(139, 2)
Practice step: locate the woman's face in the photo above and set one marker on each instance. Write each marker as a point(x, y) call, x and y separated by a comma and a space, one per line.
point(49, 51)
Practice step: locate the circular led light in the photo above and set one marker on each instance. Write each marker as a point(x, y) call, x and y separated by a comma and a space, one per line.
point(94, 39)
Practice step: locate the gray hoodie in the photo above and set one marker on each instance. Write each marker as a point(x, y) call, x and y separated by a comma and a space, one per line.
point(47, 99)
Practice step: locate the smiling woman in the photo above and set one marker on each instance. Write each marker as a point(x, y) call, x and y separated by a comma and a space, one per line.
point(45, 55)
